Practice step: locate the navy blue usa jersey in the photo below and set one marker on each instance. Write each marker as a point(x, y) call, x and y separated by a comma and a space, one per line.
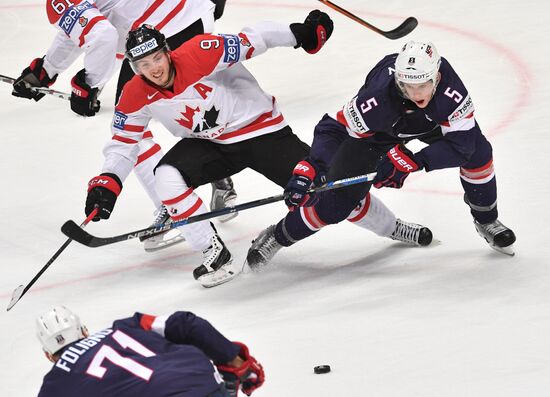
point(142, 356)
point(380, 114)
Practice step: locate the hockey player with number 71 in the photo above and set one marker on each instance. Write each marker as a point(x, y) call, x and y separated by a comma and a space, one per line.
point(180, 355)
point(203, 94)
point(97, 29)
point(415, 94)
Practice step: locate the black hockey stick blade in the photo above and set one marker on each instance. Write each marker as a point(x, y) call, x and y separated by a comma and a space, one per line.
point(401, 31)
point(74, 232)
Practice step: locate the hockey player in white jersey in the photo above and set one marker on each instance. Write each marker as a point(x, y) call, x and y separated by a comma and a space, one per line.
point(98, 29)
point(203, 94)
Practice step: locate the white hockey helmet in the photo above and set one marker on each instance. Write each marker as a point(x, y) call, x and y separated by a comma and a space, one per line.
point(418, 62)
point(57, 328)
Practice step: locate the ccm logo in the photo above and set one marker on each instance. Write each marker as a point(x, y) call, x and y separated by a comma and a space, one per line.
point(301, 167)
point(399, 160)
point(98, 181)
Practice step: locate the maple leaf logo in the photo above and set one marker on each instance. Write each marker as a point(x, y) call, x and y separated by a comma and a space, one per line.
point(209, 120)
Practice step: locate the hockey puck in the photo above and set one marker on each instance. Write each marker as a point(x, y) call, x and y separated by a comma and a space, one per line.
point(321, 369)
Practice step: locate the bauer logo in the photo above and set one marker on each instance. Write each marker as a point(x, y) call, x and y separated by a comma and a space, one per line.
point(119, 120)
point(143, 48)
point(72, 15)
point(232, 48)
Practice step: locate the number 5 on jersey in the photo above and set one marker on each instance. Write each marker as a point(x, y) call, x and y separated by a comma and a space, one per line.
point(368, 105)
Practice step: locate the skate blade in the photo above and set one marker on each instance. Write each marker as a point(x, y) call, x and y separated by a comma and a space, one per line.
point(220, 276)
point(505, 250)
point(153, 246)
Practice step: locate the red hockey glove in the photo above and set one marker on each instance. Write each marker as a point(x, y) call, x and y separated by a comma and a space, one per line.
point(33, 76)
point(396, 167)
point(296, 191)
point(103, 191)
point(314, 32)
point(83, 97)
point(248, 377)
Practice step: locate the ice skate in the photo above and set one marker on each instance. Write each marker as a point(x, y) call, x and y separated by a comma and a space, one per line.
point(216, 267)
point(263, 249)
point(223, 196)
point(161, 240)
point(498, 236)
point(411, 233)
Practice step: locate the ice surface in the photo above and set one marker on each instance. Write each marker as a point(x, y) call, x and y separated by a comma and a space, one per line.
point(454, 319)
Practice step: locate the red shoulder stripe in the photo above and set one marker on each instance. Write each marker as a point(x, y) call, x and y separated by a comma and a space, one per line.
point(148, 12)
point(89, 27)
point(171, 15)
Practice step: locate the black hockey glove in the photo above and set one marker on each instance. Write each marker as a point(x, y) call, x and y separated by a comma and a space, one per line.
point(395, 167)
point(248, 377)
point(103, 191)
point(218, 11)
point(314, 32)
point(33, 76)
point(296, 191)
point(83, 97)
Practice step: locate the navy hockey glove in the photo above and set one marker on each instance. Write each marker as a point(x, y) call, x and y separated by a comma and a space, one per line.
point(396, 167)
point(83, 97)
point(296, 191)
point(314, 32)
point(247, 377)
point(103, 191)
point(33, 76)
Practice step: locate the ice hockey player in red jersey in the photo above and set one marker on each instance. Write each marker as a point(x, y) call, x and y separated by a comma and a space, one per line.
point(98, 29)
point(178, 355)
point(203, 94)
point(415, 94)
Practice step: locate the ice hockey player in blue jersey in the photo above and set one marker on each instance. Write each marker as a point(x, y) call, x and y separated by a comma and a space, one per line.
point(415, 94)
point(181, 355)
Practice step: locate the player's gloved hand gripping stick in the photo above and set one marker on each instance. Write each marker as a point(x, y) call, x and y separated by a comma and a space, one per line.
point(39, 90)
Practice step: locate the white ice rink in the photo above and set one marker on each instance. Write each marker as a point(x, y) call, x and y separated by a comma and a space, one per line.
point(454, 319)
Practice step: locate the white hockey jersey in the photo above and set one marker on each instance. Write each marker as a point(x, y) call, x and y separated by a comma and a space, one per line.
point(99, 28)
point(214, 97)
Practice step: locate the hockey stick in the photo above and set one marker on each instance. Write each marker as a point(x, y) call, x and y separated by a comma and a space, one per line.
point(73, 231)
point(42, 90)
point(402, 30)
point(22, 290)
